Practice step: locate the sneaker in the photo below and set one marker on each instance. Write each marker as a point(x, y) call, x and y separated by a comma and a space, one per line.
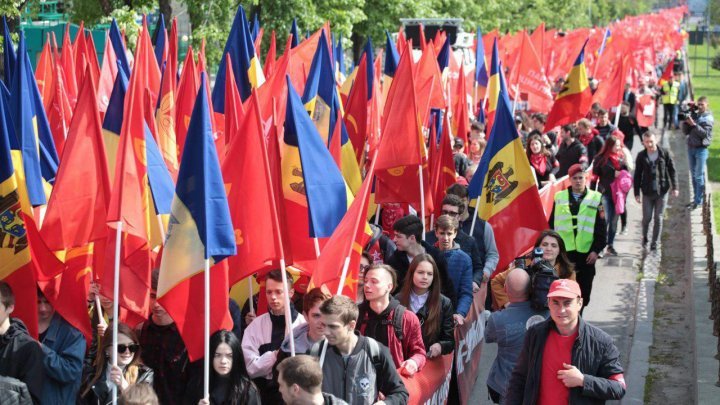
point(601, 254)
point(611, 251)
point(624, 231)
point(644, 243)
point(653, 247)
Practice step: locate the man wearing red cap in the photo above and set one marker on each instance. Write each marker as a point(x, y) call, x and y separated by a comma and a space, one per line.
point(578, 217)
point(564, 359)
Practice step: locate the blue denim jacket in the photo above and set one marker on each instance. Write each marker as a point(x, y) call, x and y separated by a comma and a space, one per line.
point(507, 329)
point(64, 348)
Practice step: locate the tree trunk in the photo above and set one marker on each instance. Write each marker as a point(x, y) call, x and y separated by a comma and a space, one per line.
point(107, 8)
point(358, 44)
point(166, 11)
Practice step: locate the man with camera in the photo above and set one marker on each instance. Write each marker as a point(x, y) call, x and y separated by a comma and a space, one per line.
point(698, 127)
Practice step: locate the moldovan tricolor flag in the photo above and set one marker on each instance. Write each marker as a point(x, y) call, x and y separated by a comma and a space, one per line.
point(505, 187)
point(15, 267)
point(575, 98)
point(200, 228)
point(245, 64)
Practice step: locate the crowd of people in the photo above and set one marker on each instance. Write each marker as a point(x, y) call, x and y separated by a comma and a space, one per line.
point(414, 289)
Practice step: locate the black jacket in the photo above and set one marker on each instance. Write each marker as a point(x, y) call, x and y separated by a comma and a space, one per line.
point(593, 353)
point(446, 333)
point(570, 155)
point(400, 262)
point(606, 173)
point(21, 357)
point(100, 393)
point(654, 179)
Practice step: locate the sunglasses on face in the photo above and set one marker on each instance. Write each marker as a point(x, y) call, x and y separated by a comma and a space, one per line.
point(451, 213)
point(133, 348)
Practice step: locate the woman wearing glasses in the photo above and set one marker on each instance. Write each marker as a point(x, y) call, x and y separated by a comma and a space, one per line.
point(98, 381)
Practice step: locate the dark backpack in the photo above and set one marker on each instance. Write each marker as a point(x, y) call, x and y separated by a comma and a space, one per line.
point(542, 274)
point(396, 320)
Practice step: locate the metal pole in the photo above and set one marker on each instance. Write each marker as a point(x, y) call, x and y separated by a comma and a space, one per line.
point(116, 303)
point(206, 334)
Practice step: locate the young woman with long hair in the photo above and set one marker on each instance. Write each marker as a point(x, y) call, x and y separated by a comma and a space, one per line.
point(98, 380)
point(420, 293)
point(607, 165)
point(554, 252)
point(229, 380)
point(541, 159)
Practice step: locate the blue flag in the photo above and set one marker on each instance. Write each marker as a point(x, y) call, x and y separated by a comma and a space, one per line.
point(246, 66)
point(324, 185)
point(392, 58)
point(200, 226)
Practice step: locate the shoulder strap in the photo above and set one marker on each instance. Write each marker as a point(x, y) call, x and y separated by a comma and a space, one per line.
point(397, 321)
point(374, 349)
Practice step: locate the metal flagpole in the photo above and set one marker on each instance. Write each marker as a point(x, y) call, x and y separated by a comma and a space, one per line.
point(206, 334)
point(116, 303)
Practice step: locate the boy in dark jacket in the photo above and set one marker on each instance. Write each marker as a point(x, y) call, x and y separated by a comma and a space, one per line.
point(20, 355)
point(654, 176)
point(564, 359)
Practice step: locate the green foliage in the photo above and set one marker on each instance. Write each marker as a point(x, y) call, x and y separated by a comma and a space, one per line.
point(210, 20)
point(11, 8)
point(94, 12)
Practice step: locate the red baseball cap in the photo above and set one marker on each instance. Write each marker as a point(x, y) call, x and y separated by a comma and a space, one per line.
point(565, 288)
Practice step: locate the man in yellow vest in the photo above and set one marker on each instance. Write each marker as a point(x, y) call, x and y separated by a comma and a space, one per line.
point(669, 97)
point(579, 219)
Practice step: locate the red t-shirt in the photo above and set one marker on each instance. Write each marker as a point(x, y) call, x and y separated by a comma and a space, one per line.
point(558, 350)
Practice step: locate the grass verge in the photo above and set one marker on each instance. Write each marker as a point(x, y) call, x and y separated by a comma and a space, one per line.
point(710, 87)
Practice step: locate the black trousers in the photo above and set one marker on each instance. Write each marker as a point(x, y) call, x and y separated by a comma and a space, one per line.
point(584, 274)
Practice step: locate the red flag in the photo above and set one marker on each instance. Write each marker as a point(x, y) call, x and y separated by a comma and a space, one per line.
point(45, 73)
point(77, 210)
point(402, 147)
point(270, 57)
point(106, 80)
point(172, 57)
point(234, 110)
point(528, 77)
point(356, 113)
point(66, 285)
point(461, 116)
point(428, 85)
point(79, 55)
point(444, 173)
point(186, 94)
point(67, 61)
point(151, 76)
point(250, 196)
point(538, 40)
point(92, 60)
point(610, 91)
point(346, 242)
point(667, 73)
point(59, 111)
point(131, 200)
point(165, 121)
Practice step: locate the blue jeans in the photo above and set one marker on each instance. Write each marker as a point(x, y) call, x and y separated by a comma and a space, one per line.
point(610, 217)
point(676, 109)
point(697, 158)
